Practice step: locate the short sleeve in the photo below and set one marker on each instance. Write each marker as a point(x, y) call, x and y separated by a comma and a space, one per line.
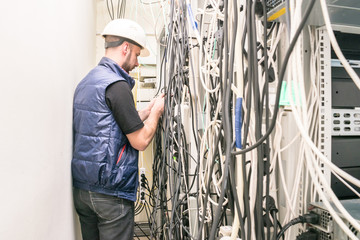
point(120, 100)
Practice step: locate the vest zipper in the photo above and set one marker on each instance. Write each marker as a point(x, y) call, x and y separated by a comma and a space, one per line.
point(122, 151)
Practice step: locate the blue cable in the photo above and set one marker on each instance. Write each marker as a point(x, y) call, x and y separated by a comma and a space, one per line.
point(238, 122)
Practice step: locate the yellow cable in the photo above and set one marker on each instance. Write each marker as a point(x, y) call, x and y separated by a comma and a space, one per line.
point(277, 14)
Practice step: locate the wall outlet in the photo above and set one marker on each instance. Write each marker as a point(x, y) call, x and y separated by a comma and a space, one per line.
point(142, 180)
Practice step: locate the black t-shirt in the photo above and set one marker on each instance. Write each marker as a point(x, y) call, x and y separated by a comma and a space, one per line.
point(120, 100)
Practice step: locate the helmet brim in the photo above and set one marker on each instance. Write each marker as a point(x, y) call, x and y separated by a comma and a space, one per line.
point(144, 52)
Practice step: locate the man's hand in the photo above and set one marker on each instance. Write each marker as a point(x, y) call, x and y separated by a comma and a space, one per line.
point(141, 138)
point(159, 104)
point(144, 113)
point(151, 104)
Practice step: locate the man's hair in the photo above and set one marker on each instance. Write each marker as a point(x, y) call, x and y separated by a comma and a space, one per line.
point(110, 38)
point(114, 41)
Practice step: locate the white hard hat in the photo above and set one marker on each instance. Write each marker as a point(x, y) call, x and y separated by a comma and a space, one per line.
point(128, 29)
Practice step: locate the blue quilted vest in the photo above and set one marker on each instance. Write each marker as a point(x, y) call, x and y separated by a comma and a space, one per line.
point(103, 159)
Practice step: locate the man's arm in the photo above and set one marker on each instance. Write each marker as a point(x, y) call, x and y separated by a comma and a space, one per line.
point(141, 138)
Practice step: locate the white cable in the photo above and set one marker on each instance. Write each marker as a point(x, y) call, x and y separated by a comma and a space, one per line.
point(347, 185)
point(204, 178)
point(304, 134)
point(294, 107)
point(326, 161)
point(320, 174)
point(336, 47)
point(209, 62)
point(328, 206)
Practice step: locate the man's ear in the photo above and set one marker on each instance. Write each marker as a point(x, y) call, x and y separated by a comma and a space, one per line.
point(126, 48)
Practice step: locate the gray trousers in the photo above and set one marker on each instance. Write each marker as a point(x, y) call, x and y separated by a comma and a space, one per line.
point(104, 217)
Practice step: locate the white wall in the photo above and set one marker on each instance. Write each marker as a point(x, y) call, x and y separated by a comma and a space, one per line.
point(46, 47)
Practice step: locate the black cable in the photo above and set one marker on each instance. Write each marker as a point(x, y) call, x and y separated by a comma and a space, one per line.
point(175, 52)
point(108, 8)
point(144, 234)
point(246, 129)
point(281, 78)
point(267, 148)
point(118, 8)
point(306, 218)
point(179, 88)
point(161, 192)
point(311, 234)
point(287, 17)
point(175, 145)
point(232, 163)
point(161, 74)
point(173, 185)
point(227, 125)
point(253, 62)
point(275, 224)
point(121, 9)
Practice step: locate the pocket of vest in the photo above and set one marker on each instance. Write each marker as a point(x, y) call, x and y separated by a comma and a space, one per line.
point(121, 153)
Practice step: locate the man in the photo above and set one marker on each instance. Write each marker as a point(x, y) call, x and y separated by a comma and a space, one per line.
point(108, 133)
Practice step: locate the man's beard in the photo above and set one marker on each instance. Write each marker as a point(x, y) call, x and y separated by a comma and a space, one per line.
point(126, 66)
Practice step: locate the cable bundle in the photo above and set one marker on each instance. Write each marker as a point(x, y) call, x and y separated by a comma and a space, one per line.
point(220, 150)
